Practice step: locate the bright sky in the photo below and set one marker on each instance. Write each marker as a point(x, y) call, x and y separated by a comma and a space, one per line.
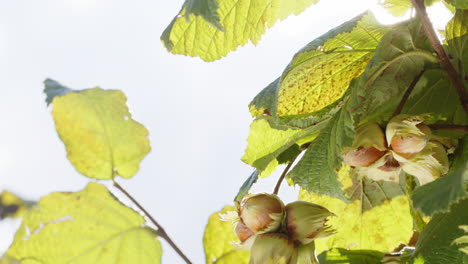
point(196, 112)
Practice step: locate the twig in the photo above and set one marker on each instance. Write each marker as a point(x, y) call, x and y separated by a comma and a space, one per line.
point(454, 78)
point(281, 178)
point(161, 232)
point(407, 94)
point(459, 128)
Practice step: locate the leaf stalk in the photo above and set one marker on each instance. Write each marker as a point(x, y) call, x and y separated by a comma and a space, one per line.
point(281, 178)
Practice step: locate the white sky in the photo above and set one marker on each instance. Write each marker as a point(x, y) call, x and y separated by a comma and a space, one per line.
point(196, 112)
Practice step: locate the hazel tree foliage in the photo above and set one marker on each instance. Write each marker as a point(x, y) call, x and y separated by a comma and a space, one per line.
point(369, 121)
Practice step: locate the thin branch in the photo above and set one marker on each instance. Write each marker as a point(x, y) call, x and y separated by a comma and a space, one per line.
point(281, 178)
point(161, 232)
point(407, 94)
point(459, 128)
point(454, 78)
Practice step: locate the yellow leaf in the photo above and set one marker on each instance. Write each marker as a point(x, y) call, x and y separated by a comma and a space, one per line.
point(89, 226)
point(321, 72)
point(101, 138)
point(378, 217)
point(219, 239)
point(239, 22)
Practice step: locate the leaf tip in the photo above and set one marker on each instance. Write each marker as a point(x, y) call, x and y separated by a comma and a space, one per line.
point(53, 88)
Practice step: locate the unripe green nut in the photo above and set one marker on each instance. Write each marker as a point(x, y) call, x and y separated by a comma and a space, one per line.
point(273, 248)
point(306, 222)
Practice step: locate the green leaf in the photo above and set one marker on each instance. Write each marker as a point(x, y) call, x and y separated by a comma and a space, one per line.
point(13, 206)
point(457, 40)
point(400, 57)
point(439, 195)
point(462, 4)
point(463, 240)
point(265, 143)
point(207, 9)
point(210, 29)
point(53, 89)
point(377, 218)
point(320, 73)
point(265, 102)
point(245, 188)
point(316, 171)
point(434, 94)
point(101, 138)
point(435, 244)
point(341, 255)
point(218, 241)
point(90, 226)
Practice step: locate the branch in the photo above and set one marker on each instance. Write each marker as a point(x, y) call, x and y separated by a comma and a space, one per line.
point(407, 94)
point(459, 128)
point(161, 232)
point(281, 178)
point(454, 78)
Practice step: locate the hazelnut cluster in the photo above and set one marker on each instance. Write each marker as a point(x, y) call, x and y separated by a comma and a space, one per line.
point(275, 233)
point(407, 144)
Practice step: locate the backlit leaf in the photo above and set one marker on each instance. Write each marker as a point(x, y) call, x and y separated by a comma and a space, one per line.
point(439, 195)
point(435, 244)
point(266, 143)
point(218, 241)
point(101, 138)
point(378, 217)
point(457, 40)
point(89, 226)
point(320, 73)
point(341, 255)
point(210, 29)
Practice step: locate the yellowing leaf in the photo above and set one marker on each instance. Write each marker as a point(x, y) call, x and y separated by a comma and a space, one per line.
point(218, 241)
point(212, 32)
point(378, 217)
point(12, 206)
point(89, 226)
point(265, 143)
point(101, 138)
point(320, 73)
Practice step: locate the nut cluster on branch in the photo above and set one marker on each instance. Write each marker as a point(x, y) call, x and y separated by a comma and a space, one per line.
point(407, 144)
point(275, 233)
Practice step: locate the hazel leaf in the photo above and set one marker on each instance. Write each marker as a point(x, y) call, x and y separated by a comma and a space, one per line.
point(100, 136)
point(219, 239)
point(210, 29)
point(90, 226)
point(377, 218)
